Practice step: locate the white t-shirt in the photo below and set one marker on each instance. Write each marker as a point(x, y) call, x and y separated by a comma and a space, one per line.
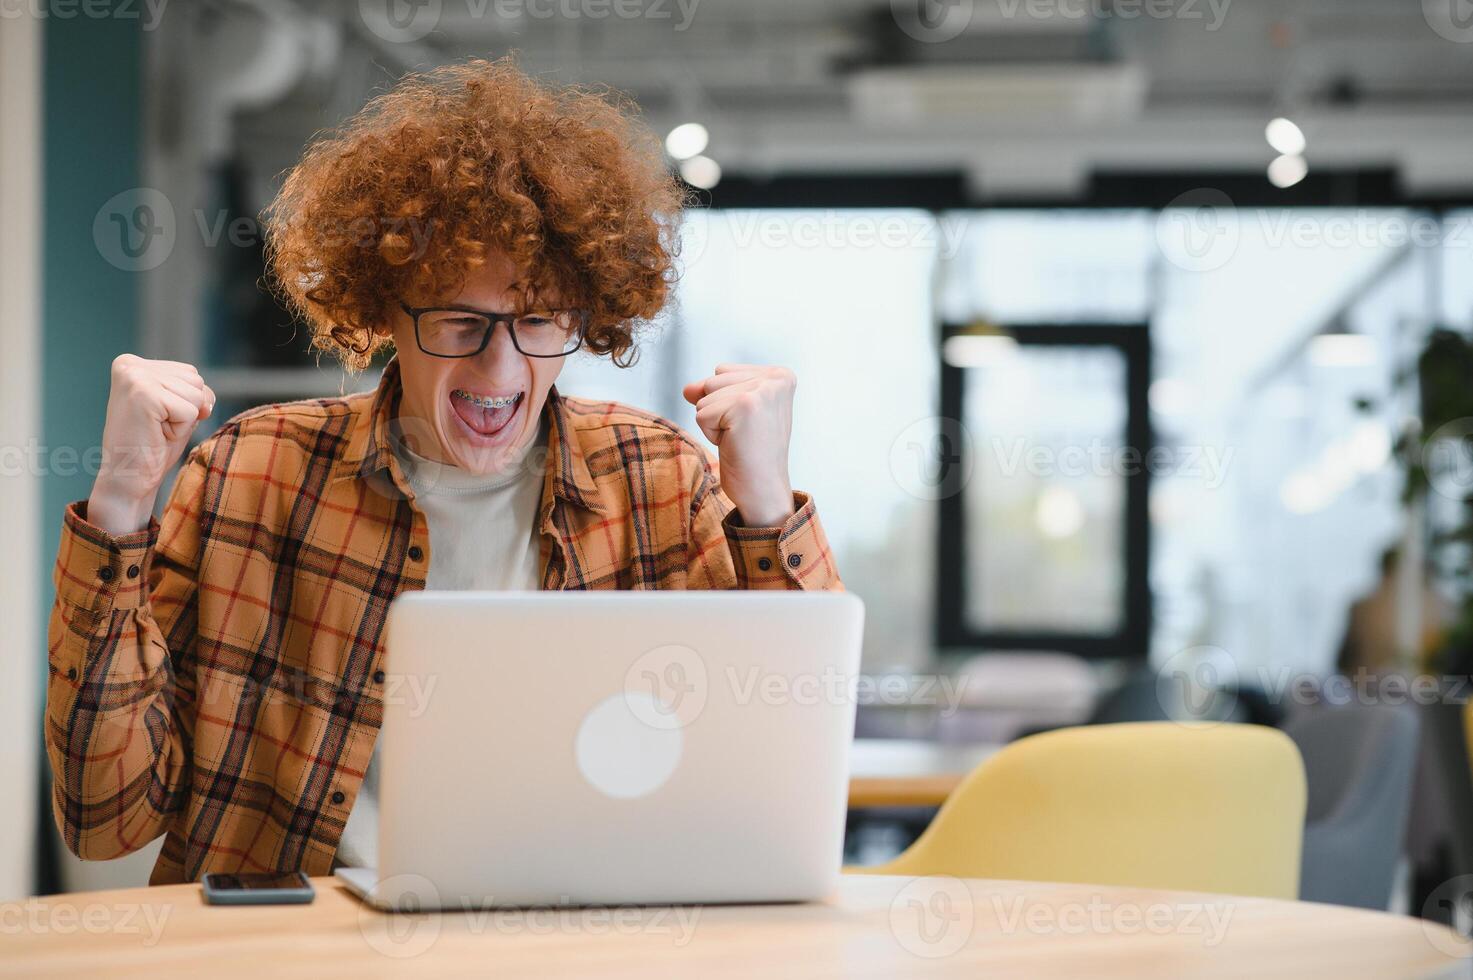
point(483, 535)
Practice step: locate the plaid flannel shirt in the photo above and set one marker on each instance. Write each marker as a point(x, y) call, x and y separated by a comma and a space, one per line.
point(217, 677)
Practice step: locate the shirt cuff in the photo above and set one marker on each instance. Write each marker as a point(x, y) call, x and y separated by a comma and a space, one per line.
point(795, 555)
point(100, 571)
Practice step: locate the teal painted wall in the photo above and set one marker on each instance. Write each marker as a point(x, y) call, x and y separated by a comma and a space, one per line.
point(92, 79)
point(93, 134)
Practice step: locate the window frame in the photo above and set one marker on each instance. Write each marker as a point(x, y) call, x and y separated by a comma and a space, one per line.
point(1132, 639)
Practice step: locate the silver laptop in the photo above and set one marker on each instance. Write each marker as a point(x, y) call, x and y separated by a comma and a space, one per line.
point(613, 748)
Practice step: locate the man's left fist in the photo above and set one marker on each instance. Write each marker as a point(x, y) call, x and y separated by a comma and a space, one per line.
point(746, 410)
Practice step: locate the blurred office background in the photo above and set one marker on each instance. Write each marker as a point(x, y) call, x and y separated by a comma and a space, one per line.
point(1098, 368)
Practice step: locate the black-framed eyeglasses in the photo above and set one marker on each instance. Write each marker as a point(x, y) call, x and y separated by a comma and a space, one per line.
point(459, 331)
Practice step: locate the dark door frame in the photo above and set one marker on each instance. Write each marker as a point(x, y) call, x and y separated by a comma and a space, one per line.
point(1132, 639)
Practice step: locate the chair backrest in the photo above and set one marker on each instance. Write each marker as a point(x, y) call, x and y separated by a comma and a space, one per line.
point(1355, 756)
point(1359, 760)
point(1142, 696)
point(1215, 808)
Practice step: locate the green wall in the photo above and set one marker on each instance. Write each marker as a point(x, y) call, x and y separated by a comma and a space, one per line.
point(93, 133)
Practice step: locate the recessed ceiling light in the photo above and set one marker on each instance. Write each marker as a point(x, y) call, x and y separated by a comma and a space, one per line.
point(1286, 170)
point(701, 172)
point(686, 140)
point(1284, 136)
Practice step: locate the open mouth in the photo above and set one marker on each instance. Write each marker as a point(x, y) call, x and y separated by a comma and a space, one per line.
point(485, 415)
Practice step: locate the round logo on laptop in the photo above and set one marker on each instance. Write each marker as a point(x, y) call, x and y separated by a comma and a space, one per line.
point(620, 753)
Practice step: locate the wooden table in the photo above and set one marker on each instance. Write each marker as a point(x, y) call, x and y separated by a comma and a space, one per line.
point(873, 927)
point(906, 772)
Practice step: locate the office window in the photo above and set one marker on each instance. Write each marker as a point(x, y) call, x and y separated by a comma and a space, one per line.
point(844, 299)
point(1046, 502)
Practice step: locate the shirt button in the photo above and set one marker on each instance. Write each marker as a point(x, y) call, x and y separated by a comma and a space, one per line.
point(378, 677)
point(794, 561)
point(416, 553)
point(764, 563)
point(132, 571)
point(338, 797)
point(105, 573)
point(71, 673)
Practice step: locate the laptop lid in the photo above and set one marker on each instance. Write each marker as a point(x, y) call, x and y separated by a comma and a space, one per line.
point(616, 747)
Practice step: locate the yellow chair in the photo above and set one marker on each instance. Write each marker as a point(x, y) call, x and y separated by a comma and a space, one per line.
point(1468, 731)
point(1213, 808)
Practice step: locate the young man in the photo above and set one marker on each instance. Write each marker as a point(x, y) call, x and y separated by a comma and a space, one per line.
point(217, 677)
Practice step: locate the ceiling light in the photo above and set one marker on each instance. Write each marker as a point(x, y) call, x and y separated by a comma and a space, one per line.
point(701, 172)
point(974, 351)
point(1059, 513)
point(686, 140)
point(1287, 170)
point(1303, 493)
point(1285, 137)
point(1342, 350)
point(1171, 396)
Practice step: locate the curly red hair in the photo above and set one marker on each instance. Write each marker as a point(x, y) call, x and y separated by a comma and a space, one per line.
point(413, 192)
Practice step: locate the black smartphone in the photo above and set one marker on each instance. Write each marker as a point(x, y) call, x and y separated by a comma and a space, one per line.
point(271, 888)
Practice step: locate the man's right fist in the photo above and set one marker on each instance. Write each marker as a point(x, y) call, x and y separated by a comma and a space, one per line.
point(152, 409)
